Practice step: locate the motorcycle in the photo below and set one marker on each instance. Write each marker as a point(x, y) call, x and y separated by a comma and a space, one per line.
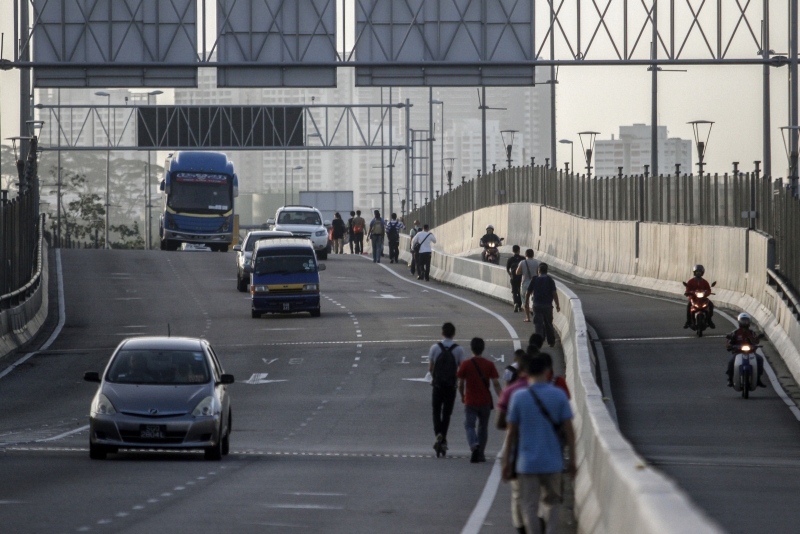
point(490, 252)
point(699, 310)
point(745, 369)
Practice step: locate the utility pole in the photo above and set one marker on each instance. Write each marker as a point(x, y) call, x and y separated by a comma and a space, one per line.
point(654, 95)
point(794, 86)
point(483, 130)
point(24, 80)
point(430, 143)
point(391, 155)
point(766, 112)
point(408, 152)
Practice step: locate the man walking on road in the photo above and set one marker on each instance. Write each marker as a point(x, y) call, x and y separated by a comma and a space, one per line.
point(350, 234)
point(537, 417)
point(443, 361)
point(544, 293)
point(416, 228)
point(422, 245)
point(358, 232)
point(474, 376)
point(527, 269)
point(516, 279)
point(393, 235)
point(377, 229)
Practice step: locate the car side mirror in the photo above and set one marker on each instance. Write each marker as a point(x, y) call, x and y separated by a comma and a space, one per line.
point(162, 185)
point(91, 376)
point(271, 222)
point(713, 283)
point(248, 268)
point(326, 223)
point(321, 267)
point(226, 379)
point(237, 248)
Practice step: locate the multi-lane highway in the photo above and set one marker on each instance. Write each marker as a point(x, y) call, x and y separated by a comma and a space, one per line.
point(332, 425)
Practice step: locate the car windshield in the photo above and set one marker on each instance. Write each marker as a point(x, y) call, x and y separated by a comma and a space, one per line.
point(251, 241)
point(202, 192)
point(299, 217)
point(166, 367)
point(285, 263)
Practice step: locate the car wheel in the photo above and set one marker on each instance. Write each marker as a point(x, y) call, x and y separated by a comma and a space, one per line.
point(226, 441)
point(97, 452)
point(214, 453)
point(254, 314)
point(322, 254)
point(316, 313)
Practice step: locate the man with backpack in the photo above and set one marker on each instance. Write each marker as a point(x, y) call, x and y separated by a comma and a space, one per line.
point(415, 228)
point(393, 235)
point(443, 361)
point(474, 376)
point(377, 229)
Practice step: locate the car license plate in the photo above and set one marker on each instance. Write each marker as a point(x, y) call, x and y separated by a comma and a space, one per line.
point(152, 431)
point(286, 306)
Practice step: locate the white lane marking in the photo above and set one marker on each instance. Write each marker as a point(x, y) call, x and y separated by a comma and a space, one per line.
point(391, 297)
point(481, 510)
point(260, 378)
point(403, 361)
point(129, 298)
point(64, 435)
point(776, 385)
point(313, 494)
point(304, 506)
point(61, 319)
point(652, 338)
point(295, 361)
point(279, 329)
point(269, 362)
point(136, 326)
point(419, 325)
point(12, 502)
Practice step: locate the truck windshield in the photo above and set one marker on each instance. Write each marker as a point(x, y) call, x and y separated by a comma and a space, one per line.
point(299, 217)
point(200, 192)
point(285, 264)
point(167, 367)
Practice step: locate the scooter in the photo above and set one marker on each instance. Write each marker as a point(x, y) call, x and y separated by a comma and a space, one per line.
point(745, 369)
point(699, 310)
point(490, 252)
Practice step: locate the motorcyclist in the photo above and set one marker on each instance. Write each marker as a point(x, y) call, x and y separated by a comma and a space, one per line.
point(488, 237)
point(743, 336)
point(698, 283)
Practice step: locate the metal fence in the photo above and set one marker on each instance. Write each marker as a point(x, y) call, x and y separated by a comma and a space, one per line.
point(19, 234)
point(745, 200)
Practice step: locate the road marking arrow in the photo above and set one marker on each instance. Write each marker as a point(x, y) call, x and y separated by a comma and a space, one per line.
point(260, 378)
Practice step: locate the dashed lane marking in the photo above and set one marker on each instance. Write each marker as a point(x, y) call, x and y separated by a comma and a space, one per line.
point(242, 453)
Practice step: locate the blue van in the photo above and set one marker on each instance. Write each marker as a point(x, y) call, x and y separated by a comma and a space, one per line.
point(284, 277)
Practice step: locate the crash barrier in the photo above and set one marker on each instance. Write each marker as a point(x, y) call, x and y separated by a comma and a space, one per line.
point(615, 490)
point(24, 311)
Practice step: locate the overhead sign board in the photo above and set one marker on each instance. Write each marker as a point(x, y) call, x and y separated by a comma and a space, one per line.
point(99, 42)
point(219, 127)
point(456, 34)
point(277, 37)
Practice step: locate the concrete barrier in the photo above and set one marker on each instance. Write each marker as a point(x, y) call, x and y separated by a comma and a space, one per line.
point(18, 325)
point(615, 490)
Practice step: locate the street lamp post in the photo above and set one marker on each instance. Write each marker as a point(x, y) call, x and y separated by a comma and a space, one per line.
point(108, 166)
point(571, 152)
point(297, 168)
point(791, 153)
point(441, 133)
point(697, 131)
point(149, 184)
point(450, 162)
point(508, 145)
point(483, 107)
point(587, 152)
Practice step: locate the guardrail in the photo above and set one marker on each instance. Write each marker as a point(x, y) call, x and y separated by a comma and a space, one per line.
point(17, 296)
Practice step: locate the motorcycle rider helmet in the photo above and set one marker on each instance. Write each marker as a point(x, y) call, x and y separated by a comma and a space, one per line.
point(489, 227)
point(744, 319)
point(699, 268)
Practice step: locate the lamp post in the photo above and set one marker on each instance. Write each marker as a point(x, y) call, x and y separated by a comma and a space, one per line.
point(588, 152)
point(483, 107)
point(791, 153)
point(508, 144)
point(148, 194)
point(450, 162)
point(571, 152)
point(698, 128)
point(441, 133)
point(108, 165)
point(297, 168)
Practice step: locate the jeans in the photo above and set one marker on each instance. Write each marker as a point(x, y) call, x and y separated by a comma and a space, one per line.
point(516, 283)
point(352, 239)
point(543, 322)
point(424, 265)
point(338, 246)
point(413, 266)
point(359, 237)
point(394, 250)
point(477, 415)
point(536, 489)
point(377, 247)
point(443, 401)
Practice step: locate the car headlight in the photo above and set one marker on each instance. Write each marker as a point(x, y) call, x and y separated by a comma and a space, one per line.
point(311, 287)
point(259, 289)
point(225, 226)
point(321, 233)
point(207, 407)
point(102, 406)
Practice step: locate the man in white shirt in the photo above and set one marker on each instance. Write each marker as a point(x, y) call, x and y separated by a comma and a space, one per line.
point(425, 239)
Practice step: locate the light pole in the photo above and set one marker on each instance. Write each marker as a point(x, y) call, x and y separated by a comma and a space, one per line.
point(108, 165)
point(571, 152)
point(508, 145)
point(588, 152)
point(483, 107)
point(450, 162)
point(791, 153)
point(147, 193)
point(305, 129)
point(697, 130)
point(441, 133)
point(297, 168)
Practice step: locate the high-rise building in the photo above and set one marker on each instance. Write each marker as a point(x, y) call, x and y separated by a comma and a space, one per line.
point(632, 152)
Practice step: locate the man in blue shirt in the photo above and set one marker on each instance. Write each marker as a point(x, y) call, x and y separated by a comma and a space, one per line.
point(537, 416)
point(544, 294)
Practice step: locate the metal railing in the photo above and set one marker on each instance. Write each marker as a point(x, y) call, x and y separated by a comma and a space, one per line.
point(744, 200)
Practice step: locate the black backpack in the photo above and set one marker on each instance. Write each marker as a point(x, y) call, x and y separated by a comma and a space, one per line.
point(445, 368)
point(392, 232)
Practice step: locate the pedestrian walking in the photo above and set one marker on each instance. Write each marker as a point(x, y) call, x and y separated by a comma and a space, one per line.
point(543, 289)
point(474, 378)
point(393, 235)
point(416, 228)
point(516, 279)
point(377, 231)
point(350, 234)
point(421, 245)
point(539, 420)
point(338, 230)
point(358, 232)
point(443, 361)
point(518, 381)
point(527, 268)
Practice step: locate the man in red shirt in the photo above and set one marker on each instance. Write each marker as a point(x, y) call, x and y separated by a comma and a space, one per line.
point(698, 283)
point(474, 376)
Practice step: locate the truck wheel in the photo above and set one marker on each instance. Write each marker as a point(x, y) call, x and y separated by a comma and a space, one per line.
point(322, 254)
point(316, 313)
point(241, 284)
point(254, 314)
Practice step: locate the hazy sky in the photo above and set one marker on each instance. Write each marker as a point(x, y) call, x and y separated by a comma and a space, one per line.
point(604, 98)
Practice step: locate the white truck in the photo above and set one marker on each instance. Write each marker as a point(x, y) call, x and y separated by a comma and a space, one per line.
point(328, 203)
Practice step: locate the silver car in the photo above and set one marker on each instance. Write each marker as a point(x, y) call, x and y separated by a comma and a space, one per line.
point(245, 252)
point(161, 392)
